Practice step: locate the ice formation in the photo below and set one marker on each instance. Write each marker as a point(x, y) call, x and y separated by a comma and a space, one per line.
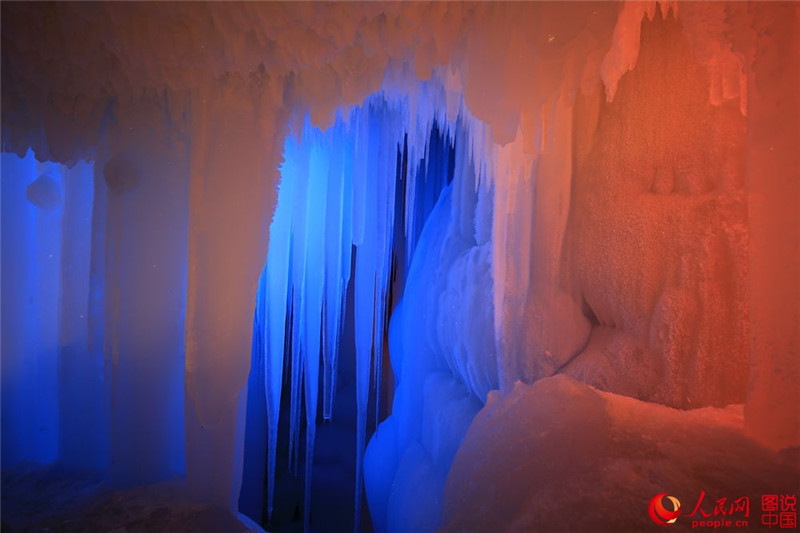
point(338, 197)
point(641, 446)
point(602, 190)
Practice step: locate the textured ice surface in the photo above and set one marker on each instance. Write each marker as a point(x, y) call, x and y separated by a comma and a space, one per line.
point(576, 459)
point(641, 224)
point(355, 163)
point(31, 250)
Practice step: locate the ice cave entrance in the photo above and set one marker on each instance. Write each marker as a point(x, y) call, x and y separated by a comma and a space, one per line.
point(352, 203)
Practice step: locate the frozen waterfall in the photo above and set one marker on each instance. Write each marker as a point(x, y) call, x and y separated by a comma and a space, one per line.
point(352, 204)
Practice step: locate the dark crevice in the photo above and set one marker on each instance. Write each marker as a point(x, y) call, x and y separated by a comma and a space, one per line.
point(589, 313)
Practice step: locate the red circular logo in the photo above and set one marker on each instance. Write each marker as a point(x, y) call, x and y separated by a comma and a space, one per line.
point(659, 514)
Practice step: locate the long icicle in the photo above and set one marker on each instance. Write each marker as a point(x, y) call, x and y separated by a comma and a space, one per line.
point(333, 266)
point(276, 304)
point(315, 285)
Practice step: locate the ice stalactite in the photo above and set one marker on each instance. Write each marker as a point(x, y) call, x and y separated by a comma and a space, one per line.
point(274, 287)
point(337, 208)
point(338, 250)
point(442, 334)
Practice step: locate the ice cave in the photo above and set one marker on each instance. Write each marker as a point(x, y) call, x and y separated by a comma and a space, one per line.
point(400, 266)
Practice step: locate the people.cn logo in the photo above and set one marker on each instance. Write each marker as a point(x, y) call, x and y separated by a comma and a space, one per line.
point(659, 514)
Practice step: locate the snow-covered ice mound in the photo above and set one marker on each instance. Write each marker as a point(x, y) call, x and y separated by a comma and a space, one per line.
point(576, 459)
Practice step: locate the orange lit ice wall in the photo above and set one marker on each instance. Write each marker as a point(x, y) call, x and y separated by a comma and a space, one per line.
point(642, 159)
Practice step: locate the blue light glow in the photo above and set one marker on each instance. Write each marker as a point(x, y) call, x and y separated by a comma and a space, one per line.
point(52, 385)
point(356, 195)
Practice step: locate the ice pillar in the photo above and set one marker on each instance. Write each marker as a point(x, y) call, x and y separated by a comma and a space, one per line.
point(145, 172)
point(81, 397)
point(31, 251)
point(230, 200)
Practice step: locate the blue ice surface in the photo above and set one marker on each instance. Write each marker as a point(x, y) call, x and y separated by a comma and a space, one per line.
point(350, 198)
point(52, 383)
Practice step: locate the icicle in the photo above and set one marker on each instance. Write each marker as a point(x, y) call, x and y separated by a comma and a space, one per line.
point(360, 178)
point(337, 194)
point(333, 267)
point(314, 285)
point(385, 218)
point(346, 242)
point(274, 299)
point(299, 250)
point(365, 288)
point(296, 379)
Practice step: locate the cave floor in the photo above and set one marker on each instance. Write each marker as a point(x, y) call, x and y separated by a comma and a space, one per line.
point(58, 499)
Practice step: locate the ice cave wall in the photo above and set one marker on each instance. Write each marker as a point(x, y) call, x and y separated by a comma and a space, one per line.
point(184, 110)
